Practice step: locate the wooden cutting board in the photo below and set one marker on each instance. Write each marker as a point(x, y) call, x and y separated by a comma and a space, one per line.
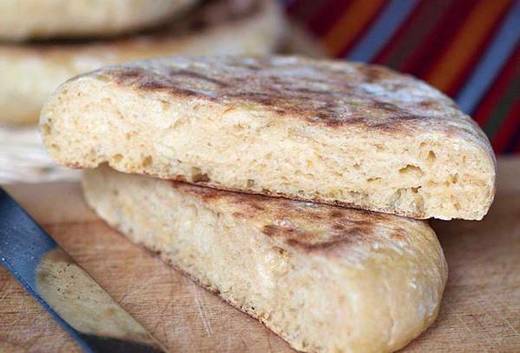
point(480, 311)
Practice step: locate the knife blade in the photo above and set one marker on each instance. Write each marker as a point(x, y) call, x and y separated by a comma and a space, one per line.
point(84, 309)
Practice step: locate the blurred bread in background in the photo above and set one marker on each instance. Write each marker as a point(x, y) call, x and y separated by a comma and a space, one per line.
point(31, 72)
point(36, 19)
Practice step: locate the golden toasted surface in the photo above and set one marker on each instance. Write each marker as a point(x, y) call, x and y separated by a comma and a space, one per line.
point(308, 226)
point(332, 93)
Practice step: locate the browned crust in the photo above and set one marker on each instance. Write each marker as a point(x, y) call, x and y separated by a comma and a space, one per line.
point(309, 227)
point(314, 228)
point(306, 241)
point(333, 94)
point(212, 191)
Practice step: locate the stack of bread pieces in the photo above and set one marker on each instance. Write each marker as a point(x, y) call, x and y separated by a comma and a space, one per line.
point(45, 42)
point(295, 189)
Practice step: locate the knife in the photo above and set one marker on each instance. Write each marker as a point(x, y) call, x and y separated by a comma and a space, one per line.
point(84, 309)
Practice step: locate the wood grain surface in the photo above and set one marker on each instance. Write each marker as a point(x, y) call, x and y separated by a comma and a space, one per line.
point(480, 310)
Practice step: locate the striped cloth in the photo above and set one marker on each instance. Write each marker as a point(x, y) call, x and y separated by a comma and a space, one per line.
point(468, 49)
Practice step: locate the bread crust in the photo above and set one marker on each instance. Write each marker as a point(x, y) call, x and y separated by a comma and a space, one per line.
point(334, 251)
point(32, 71)
point(333, 94)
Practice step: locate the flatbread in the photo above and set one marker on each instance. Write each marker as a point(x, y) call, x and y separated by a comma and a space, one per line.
point(30, 19)
point(31, 72)
point(326, 279)
point(325, 131)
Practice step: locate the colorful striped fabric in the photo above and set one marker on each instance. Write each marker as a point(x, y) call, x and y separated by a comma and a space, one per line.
point(469, 49)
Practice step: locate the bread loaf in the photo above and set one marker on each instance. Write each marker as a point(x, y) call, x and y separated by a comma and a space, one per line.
point(326, 279)
point(326, 131)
